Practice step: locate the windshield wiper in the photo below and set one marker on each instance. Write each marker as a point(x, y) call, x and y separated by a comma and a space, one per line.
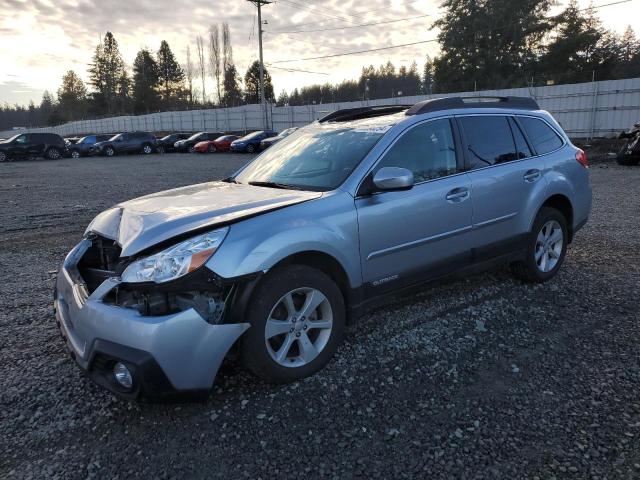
point(283, 186)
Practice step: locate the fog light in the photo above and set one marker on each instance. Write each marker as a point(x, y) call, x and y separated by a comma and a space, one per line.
point(123, 375)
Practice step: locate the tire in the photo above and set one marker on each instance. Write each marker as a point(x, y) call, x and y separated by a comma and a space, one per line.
point(212, 149)
point(160, 149)
point(251, 149)
point(3, 157)
point(192, 149)
point(75, 154)
point(627, 159)
point(290, 332)
point(52, 154)
point(109, 152)
point(147, 149)
point(544, 257)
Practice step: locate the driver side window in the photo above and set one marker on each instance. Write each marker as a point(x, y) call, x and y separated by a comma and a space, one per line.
point(22, 139)
point(427, 149)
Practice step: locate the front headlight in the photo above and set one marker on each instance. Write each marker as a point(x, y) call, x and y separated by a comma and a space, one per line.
point(175, 261)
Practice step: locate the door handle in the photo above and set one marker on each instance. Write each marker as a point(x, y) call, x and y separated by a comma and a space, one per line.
point(457, 195)
point(532, 175)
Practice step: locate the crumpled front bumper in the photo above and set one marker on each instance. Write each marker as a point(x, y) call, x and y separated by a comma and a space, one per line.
point(173, 353)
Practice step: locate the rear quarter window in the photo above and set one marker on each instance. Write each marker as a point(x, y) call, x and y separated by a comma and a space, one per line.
point(542, 137)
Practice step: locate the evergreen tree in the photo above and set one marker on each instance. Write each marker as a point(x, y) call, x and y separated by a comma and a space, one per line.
point(491, 43)
point(283, 99)
point(72, 96)
point(252, 85)
point(146, 79)
point(170, 74)
point(232, 92)
point(106, 71)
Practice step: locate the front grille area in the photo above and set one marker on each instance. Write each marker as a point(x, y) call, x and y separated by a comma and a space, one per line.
point(99, 262)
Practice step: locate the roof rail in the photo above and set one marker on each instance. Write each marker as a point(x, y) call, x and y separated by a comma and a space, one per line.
point(450, 103)
point(347, 114)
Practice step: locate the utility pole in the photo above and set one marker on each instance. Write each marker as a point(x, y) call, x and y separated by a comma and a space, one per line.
point(263, 103)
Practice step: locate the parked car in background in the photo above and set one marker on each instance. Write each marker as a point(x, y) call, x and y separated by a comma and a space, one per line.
point(629, 154)
point(167, 144)
point(326, 222)
point(82, 147)
point(251, 143)
point(267, 142)
point(189, 144)
point(71, 140)
point(31, 145)
point(220, 144)
point(129, 142)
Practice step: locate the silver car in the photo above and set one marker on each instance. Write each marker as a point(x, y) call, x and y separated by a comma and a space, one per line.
point(340, 214)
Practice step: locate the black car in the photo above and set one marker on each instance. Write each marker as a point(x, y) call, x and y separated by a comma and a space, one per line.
point(30, 145)
point(129, 142)
point(83, 146)
point(267, 142)
point(188, 144)
point(167, 144)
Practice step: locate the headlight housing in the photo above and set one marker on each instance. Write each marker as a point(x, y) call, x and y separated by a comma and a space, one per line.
point(176, 261)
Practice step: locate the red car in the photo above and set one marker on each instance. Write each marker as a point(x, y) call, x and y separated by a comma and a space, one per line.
point(220, 144)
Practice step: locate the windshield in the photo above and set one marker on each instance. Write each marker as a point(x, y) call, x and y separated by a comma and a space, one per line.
point(12, 138)
point(197, 136)
point(318, 157)
point(169, 137)
point(252, 135)
point(287, 132)
point(115, 138)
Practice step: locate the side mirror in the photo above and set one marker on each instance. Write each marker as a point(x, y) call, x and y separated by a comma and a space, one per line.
point(393, 178)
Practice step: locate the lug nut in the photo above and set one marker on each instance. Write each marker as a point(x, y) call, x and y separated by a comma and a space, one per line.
point(298, 334)
point(305, 327)
point(291, 331)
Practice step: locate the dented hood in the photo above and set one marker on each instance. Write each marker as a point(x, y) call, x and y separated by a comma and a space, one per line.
point(146, 221)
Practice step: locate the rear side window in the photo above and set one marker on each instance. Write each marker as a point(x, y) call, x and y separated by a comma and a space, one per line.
point(489, 140)
point(543, 138)
point(428, 150)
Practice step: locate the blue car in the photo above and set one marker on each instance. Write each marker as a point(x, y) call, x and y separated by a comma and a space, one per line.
point(83, 146)
point(251, 143)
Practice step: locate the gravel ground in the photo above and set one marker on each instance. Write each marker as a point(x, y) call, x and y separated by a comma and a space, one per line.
point(476, 378)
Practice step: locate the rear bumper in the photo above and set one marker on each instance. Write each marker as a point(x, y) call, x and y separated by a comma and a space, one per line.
point(166, 354)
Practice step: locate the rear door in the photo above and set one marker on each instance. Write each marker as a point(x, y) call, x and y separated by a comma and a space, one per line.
point(505, 177)
point(408, 236)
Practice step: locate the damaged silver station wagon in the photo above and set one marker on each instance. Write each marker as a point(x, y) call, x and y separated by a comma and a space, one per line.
point(358, 205)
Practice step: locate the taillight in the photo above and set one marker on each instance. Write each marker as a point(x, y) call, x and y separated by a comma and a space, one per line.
point(581, 157)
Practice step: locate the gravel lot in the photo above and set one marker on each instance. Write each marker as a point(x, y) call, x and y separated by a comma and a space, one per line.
point(476, 378)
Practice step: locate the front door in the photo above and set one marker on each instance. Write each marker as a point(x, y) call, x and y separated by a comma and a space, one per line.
point(409, 236)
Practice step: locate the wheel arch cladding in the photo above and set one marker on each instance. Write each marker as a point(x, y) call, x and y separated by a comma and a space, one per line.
point(324, 262)
point(563, 205)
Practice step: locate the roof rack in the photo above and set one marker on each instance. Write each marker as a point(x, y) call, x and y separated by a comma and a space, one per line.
point(347, 114)
point(450, 103)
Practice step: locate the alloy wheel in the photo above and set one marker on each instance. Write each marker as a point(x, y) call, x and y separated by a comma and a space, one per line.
point(75, 154)
point(298, 327)
point(549, 245)
point(109, 151)
point(3, 157)
point(146, 149)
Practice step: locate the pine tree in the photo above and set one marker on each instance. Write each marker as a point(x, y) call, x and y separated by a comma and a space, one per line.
point(252, 85)
point(232, 92)
point(106, 71)
point(72, 96)
point(170, 74)
point(146, 79)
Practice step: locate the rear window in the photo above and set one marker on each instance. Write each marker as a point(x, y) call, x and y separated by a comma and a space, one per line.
point(543, 138)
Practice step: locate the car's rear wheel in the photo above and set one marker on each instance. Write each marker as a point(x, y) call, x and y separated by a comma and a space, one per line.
point(109, 152)
point(546, 247)
point(147, 149)
point(53, 154)
point(75, 154)
point(297, 317)
point(211, 148)
point(251, 149)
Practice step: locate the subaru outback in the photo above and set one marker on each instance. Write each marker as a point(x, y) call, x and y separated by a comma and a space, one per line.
point(340, 214)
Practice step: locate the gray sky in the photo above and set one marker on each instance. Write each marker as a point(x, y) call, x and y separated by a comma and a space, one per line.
point(42, 39)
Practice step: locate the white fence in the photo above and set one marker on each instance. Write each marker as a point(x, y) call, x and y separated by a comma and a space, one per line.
point(585, 110)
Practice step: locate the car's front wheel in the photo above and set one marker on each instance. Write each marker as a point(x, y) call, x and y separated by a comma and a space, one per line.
point(161, 149)
point(3, 157)
point(192, 149)
point(109, 152)
point(251, 149)
point(546, 247)
point(211, 149)
point(75, 154)
point(297, 316)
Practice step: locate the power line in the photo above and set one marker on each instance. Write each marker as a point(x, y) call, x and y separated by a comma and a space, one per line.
point(310, 8)
point(357, 52)
point(296, 70)
point(280, 32)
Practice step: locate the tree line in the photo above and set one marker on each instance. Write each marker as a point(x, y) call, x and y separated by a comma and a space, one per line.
point(484, 44)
